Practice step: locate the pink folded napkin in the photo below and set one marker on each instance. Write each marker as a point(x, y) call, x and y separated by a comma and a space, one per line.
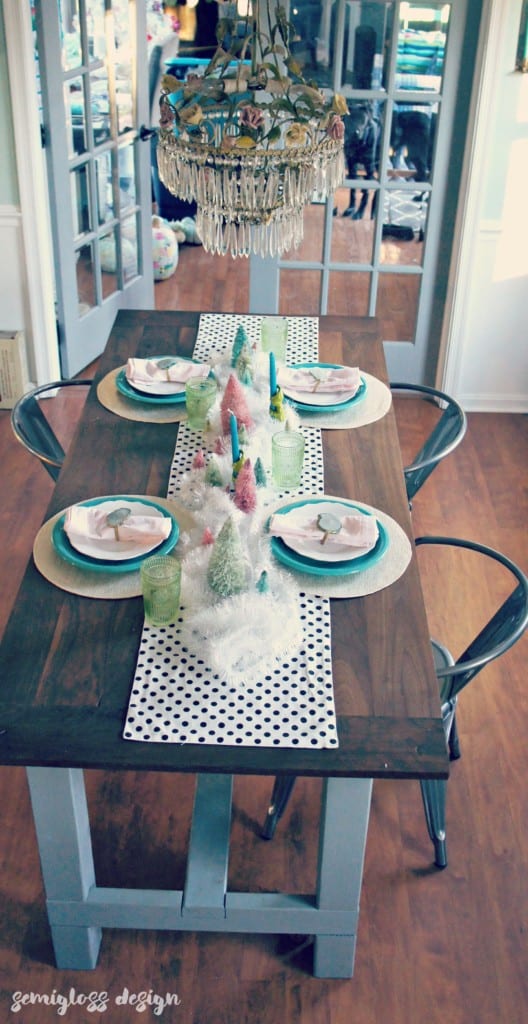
point(89, 523)
point(319, 379)
point(148, 371)
point(356, 531)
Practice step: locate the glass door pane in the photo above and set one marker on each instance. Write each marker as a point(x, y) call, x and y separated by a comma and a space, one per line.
point(370, 244)
point(93, 105)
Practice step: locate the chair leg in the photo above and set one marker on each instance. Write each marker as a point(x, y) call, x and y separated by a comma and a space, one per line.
point(434, 800)
point(454, 744)
point(282, 789)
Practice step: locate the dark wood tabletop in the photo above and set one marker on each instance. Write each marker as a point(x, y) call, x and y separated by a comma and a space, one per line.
point(67, 663)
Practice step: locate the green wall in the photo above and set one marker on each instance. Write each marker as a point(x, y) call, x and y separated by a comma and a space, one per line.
point(8, 173)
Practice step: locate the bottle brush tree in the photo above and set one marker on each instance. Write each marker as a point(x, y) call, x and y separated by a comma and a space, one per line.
point(226, 573)
point(234, 401)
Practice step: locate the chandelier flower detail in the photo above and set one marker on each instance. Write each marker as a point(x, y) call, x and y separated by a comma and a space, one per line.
point(249, 140)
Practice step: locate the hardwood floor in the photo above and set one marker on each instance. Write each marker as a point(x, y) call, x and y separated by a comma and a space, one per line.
point(432, 946)
point(203, 281)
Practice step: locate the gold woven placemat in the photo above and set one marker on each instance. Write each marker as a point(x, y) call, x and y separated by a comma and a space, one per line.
point(374, 406)
point(117, 403)
point(83, 582)
point(367, 581)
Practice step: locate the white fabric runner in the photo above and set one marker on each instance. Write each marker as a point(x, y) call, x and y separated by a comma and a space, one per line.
point(192, 683)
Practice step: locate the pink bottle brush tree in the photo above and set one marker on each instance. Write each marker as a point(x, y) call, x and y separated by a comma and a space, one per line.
point(234, 401)
point(246, 489)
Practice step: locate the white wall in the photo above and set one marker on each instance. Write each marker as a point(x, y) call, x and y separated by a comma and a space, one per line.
point(13, 304)
point(13, 297)
point(487, 360)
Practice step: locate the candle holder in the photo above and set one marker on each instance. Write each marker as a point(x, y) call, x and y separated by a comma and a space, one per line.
point(276, 406)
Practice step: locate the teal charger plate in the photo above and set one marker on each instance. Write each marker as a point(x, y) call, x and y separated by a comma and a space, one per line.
point(302, 563)
point(126, 389)
point(66, 550)
point(336, 407)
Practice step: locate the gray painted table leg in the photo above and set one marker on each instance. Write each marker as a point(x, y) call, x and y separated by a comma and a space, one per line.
point(343, 835)
point(63, 833)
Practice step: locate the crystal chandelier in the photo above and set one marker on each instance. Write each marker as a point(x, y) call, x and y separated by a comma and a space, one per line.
point(249, 140)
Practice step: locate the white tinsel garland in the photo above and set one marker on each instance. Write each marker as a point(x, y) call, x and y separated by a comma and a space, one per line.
point(239, 634)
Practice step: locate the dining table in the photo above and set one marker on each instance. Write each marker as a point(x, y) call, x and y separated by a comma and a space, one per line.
point(67, 662)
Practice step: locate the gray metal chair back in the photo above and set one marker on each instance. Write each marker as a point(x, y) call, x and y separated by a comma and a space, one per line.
point(499, 634)
point(502, 631)
point(443, 439)
point(34, 431)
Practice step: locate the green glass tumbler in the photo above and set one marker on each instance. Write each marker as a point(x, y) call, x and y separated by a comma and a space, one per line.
point(200, 397)
point(274, 336)
point(287, 457)
point(160, 585)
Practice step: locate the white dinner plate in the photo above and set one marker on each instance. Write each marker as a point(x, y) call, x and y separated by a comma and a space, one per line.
point(158, 387)
point(320, 398)
point(330, 551)
point(113, 550)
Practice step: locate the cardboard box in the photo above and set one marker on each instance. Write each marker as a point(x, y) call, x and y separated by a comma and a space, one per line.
point(14, 377)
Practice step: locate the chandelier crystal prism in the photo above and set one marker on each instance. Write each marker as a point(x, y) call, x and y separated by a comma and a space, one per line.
point(249, 140)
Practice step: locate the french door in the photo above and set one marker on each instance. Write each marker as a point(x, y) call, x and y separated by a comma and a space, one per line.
point(92, 63)
point(380, 245)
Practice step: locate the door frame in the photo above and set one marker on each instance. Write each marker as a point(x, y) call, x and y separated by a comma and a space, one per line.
point(41, 331)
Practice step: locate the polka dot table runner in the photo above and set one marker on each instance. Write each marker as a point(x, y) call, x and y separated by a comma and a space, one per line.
point(286, 701)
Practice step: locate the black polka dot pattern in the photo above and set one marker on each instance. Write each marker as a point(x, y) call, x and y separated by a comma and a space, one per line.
point(217, 333)
point(175, 697)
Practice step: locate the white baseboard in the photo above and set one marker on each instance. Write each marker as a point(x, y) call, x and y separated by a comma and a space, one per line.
point(494, 403)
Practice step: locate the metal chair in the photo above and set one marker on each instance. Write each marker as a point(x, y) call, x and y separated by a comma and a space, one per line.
point(503, 630)
point(443, 439)
point(33, 429)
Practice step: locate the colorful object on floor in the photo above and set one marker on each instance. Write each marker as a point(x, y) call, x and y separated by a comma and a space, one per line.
point(164, 249)
point(107, 252)
point(186, 231)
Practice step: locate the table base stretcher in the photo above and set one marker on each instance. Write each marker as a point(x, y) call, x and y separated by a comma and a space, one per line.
point(78, 909)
